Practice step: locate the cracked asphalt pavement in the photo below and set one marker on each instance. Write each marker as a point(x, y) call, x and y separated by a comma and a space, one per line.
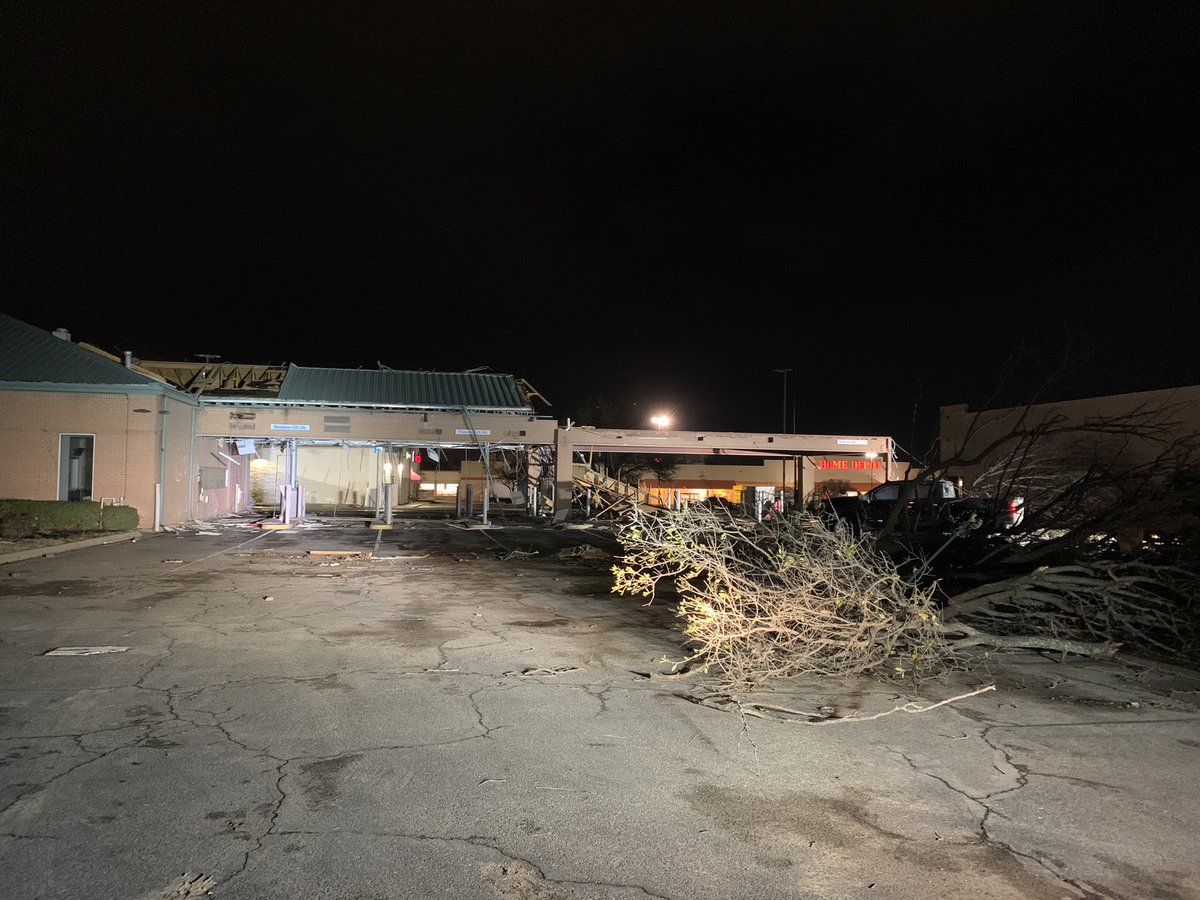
point(468, 714)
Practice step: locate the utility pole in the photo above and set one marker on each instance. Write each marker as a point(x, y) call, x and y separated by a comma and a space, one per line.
point(784, 373)
point(783, 462)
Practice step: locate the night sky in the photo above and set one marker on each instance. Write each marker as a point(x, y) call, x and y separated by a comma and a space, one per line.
point(635, 207)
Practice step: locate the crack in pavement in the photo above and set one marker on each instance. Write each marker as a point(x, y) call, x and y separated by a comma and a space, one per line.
point(478, 710)
point(484, 841)
point(273, 821)
point(985, 837)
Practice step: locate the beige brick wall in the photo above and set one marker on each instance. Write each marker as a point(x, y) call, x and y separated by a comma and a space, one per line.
point(126, 450)
point(235, 496)
point(179, 484)
point(1173, 415)
point(125, 460)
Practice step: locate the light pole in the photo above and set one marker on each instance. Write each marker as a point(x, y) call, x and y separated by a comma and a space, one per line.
point(784, 373)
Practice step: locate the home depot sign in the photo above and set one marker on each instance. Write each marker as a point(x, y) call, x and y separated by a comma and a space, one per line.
point(856, 464)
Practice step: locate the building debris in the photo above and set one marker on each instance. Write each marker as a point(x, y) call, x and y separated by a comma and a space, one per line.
point(519, 554)
point(83, 651)
point(543, 670)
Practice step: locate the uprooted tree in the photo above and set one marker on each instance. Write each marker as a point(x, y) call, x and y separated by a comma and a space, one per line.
point(790, 596)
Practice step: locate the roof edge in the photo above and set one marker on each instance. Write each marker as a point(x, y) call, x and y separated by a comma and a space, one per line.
point(60, 387)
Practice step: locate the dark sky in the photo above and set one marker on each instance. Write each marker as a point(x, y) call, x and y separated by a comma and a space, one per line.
point(652, 204)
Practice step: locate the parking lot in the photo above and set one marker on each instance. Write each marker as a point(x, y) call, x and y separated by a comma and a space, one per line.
point(434, 711)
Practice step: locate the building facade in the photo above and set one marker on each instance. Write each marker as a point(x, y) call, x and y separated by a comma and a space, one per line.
point(75, 425)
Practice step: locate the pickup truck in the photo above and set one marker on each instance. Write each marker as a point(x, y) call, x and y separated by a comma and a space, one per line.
point(930, 505)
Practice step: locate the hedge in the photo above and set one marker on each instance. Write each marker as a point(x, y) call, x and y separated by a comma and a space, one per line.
point(60, 515)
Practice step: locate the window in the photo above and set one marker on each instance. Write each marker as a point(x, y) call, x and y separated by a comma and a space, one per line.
point(886, 492)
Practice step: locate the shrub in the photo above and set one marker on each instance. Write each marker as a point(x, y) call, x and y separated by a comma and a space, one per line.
point(16, 526)
point(30, 516)
point(119, 518)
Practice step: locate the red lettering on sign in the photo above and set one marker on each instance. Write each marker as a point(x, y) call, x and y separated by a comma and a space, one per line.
point(874, 464)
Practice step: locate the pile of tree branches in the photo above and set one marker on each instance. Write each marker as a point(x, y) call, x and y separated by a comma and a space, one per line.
point(791, 596)
point(784, 597)
point(1152, 609)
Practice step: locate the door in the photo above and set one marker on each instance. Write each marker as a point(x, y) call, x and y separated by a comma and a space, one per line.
point(75, 466)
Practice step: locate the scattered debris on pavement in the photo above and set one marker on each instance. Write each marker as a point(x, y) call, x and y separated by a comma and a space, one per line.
point(824, 715)
point(183, 887)
point(518, 881)
point(543, 670)
point(519, 554)
point(83, 651)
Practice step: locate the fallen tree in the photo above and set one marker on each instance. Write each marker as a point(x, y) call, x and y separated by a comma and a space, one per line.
point(789, 596)
point(1150, 608)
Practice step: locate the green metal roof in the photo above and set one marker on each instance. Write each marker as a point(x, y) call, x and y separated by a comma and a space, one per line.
point(31, 358)
point(406, 390)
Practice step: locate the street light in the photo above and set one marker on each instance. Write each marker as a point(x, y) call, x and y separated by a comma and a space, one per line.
point(784, 373)
point(660, 422)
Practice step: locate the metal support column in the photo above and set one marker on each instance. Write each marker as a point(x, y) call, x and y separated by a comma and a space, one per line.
point(564, 474)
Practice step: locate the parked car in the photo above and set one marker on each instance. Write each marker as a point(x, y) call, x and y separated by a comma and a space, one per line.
point(928, 505)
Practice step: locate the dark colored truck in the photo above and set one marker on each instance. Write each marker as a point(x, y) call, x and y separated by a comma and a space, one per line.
point(928, 506)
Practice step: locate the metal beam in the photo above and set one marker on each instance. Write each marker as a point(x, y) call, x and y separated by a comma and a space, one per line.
point(196, 378)
point(416, 429)
point(711, 443)
point(436, 429)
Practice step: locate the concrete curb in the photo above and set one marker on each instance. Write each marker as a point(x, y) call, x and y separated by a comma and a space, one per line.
point(52, 549)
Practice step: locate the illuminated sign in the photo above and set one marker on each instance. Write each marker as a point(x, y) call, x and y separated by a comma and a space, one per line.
point(849, 464)
point(857, 442)
point(289, 427)
point(475, 431)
